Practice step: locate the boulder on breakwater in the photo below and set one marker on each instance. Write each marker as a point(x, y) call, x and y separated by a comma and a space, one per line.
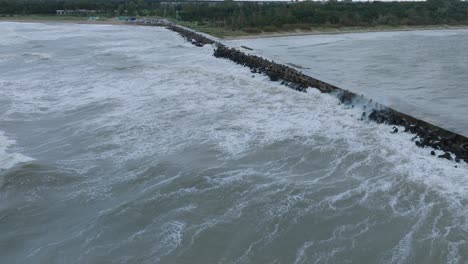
point(195, 38)
point(428, 134)
point(191, 36)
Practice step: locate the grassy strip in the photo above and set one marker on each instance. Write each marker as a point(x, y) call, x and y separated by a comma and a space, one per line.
point(213, 31)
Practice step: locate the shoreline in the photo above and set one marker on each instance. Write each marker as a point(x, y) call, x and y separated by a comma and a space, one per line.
point(83, 21)
point(341, 31)
point(226, 34)
point(295, 33)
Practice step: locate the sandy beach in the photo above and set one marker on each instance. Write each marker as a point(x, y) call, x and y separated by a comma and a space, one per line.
point(298, 32)
point(74, 20)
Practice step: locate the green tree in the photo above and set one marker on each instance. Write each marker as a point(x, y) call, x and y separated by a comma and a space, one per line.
point(132, 8)
point(120, 9)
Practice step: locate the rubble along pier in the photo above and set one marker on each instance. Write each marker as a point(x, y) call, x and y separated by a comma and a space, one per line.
point(454, 146)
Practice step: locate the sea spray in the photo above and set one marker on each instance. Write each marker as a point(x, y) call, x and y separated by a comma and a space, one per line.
point(191, 159)
point(430, 135)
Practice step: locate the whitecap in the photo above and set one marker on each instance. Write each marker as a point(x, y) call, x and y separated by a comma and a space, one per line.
point(7, 159)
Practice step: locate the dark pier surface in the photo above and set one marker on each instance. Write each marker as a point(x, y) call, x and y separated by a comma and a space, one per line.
point(454, 145)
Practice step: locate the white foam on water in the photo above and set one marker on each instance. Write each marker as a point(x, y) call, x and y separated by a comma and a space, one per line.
point(7, 159)
point(39, 55)
point(181, 97)
point(9, 34)
point(172, 234)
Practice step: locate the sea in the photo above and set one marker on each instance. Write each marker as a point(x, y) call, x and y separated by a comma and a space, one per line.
point(126, 144)
point(422, 73)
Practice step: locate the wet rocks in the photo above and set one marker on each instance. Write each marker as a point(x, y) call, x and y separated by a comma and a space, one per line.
point(191, 36)
point(446, 155)
point(428, 135)
point(273, 77)
point(276, 72)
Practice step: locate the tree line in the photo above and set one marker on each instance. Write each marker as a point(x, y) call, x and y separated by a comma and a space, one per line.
point(332, 14)
point(265, 15)
point(104, 7)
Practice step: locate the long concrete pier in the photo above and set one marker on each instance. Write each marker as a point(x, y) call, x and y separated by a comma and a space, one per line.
point(454, 146)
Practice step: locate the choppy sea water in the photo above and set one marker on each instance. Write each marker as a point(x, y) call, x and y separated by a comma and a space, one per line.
point(128, 145)
point(422, 73)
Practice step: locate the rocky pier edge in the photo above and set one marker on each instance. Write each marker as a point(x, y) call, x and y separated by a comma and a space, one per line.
point(454, 146)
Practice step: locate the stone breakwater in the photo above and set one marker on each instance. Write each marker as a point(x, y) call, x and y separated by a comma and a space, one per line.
point(193, 37)
point(453, 145)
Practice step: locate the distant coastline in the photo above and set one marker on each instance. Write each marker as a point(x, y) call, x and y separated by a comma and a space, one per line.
point(230, 35)
point(232, 20)
point(61, 19)
point(341, 31)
